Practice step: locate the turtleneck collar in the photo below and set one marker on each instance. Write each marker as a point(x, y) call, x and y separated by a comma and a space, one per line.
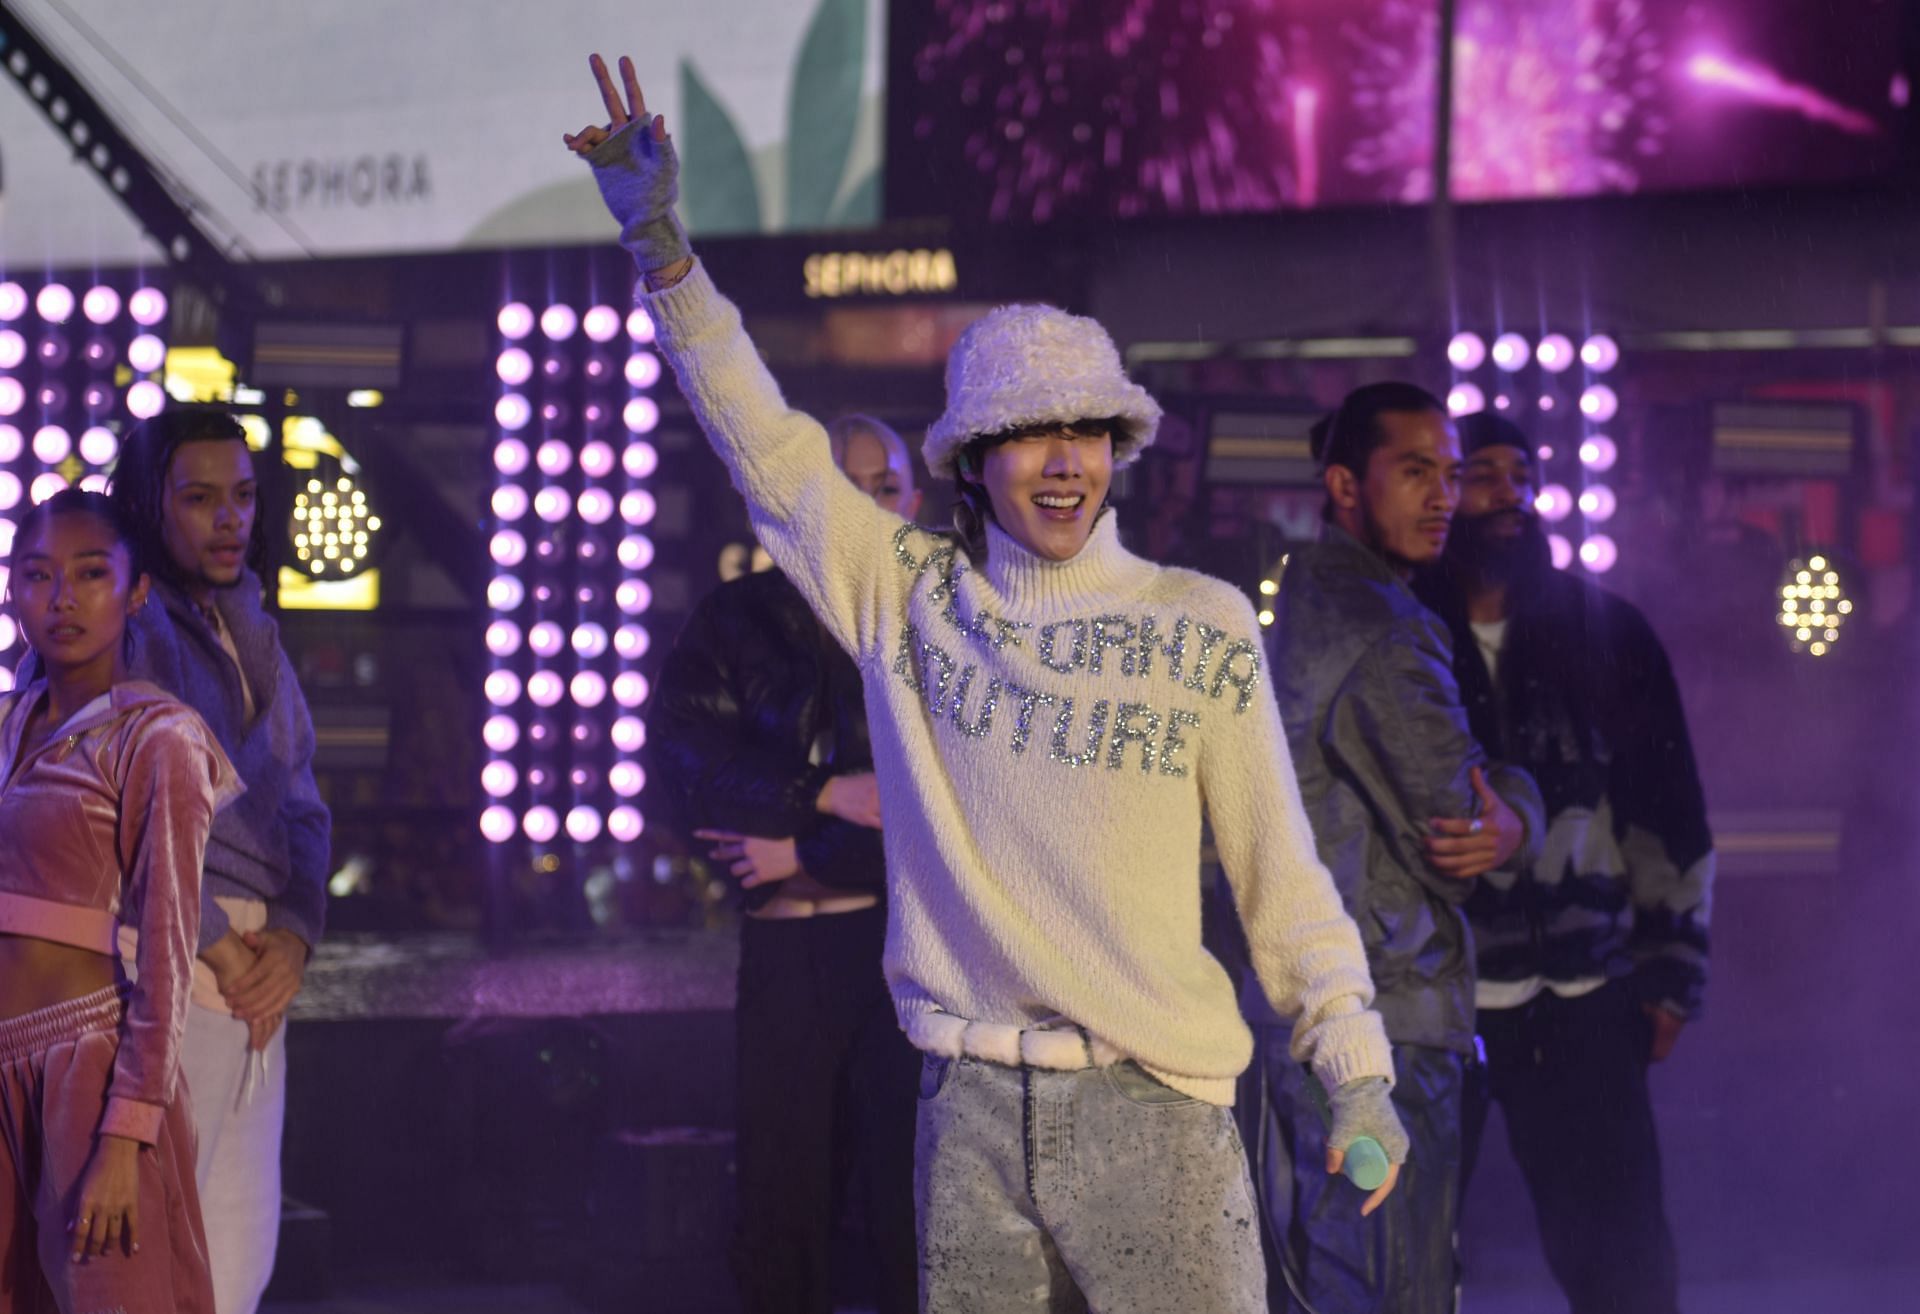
point(1034, 586)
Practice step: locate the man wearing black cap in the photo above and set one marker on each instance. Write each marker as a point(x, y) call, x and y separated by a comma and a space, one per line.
point(1591, 960)
point(1404, 816)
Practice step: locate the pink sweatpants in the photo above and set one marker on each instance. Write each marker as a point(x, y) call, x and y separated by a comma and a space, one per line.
point(55, 1065)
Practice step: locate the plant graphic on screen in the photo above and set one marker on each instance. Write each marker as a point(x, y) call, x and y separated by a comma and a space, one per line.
point(719, 189)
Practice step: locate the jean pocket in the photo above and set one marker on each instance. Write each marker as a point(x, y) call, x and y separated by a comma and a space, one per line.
point(934, 1071)
point(1136, 1085)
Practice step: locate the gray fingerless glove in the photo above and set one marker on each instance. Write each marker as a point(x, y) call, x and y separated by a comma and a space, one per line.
point(1364, 1107)
point(639, 179)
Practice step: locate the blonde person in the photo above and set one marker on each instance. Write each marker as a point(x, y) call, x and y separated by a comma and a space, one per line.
point(110, 787)
point(1051, 716)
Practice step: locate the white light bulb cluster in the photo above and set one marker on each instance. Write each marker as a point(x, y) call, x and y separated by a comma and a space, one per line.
point(333, 527)
point(569, 599)
point(1814, 605)
point(1596, 404)
point(62, 406)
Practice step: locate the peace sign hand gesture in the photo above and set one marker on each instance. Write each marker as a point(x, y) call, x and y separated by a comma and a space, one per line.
point(638, 173)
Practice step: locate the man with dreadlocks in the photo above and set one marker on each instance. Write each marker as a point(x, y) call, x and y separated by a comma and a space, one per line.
point(185, 484)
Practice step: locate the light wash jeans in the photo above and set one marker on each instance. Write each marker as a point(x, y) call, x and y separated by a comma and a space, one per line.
point(1060, 1191)
point(239, 1107)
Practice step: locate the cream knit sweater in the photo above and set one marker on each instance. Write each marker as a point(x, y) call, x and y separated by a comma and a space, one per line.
point(1046, 735)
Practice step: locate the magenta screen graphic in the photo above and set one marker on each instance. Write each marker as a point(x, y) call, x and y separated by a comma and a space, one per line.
point(1037, 110)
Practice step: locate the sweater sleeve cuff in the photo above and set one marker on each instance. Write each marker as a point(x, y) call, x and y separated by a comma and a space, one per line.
point(677, 309)
point(1350, 1047)
point(213, 924)
point(280, 917)
point(137, 1120)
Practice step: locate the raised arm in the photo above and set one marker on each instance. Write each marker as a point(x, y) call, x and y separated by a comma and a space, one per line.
point(830, 539)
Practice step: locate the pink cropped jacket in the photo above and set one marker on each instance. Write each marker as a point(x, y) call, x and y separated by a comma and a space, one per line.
point(104, 824)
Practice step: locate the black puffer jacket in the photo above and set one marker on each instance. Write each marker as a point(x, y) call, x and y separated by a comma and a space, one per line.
point(756, 707)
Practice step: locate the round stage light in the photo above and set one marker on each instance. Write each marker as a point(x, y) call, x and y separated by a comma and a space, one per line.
point(643, 369)
point(510, 501)
point(629, 688)
point(1465, 399)
point(10, 490)
point(12, 396)
point(583, 824)
point(1467, 351)
point(1554, 353)
point(1814, 605)
point(1599, 403)
point(509, 547)
point(597, 460)
point(513, 366)
point(502, 688)
point(552, 504)
point(147, 353)
point(631, 642)
point(496, 823)
point(640, 459)
point(501, 733)
point(147, 306)
point(55, 303)
point(1554, 503)
point(554, 457)
point(13, 349)
point(627, 778)
point(499, 778)
point(545, 688)
point(146, 399)
point(640, 326)
point(505, 593)
point(1599, 353)
point(1598, 503)
point(589, 639)
point(503, 638)
point(624, 824)
point(636, 552)
point(541, 824)
point(558, 322)
point(1599, 453)
point(602, 323)
point(641, 415)
point(1562, 551)
point(1598, 554)
point(596, 506)
point(51, 445)
point(98, 446)
point(633, 596)
point(547, 639)
point(13, 302)
point(100, 305)
point(637, 507)
point(629, 734)
point(515, 320)
point(46, 486)
point(513, 412)
point(1510, 351)
point(589, 688)
point(510, 456)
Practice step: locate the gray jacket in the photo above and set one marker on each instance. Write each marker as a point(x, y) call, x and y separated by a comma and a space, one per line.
point(1364, 675)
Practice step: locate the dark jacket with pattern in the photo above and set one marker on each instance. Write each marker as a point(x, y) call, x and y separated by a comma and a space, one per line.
point(1380, 741)
point(1587, 702)
point(756, 707)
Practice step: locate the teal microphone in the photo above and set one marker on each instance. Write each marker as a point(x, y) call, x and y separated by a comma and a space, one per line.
point(1366, 1163)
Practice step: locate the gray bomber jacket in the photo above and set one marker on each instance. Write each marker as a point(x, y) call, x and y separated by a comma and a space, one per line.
point(1364, 675)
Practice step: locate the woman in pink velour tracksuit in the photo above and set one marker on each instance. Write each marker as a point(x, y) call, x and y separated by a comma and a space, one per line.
point(107, 790)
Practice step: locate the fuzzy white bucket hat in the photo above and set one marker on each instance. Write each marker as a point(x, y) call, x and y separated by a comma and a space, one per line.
point(1021, 365)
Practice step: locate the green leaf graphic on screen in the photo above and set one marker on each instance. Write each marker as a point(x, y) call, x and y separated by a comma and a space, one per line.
point(718, 194)
point(823, 109)
point(862, 205)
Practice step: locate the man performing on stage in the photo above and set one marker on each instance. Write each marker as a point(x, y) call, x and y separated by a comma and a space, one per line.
point(1050, 716)
point(1404, 817)
point(1592, 959)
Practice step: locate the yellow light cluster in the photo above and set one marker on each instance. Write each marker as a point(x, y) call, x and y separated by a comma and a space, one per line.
point(333, 527)
point(1813, 605)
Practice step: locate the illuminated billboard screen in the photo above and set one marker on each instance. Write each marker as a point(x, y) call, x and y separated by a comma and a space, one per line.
point(1037, 110)
point(355, 129)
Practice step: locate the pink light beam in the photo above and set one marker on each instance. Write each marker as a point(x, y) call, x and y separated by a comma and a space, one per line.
point(1765, 87)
